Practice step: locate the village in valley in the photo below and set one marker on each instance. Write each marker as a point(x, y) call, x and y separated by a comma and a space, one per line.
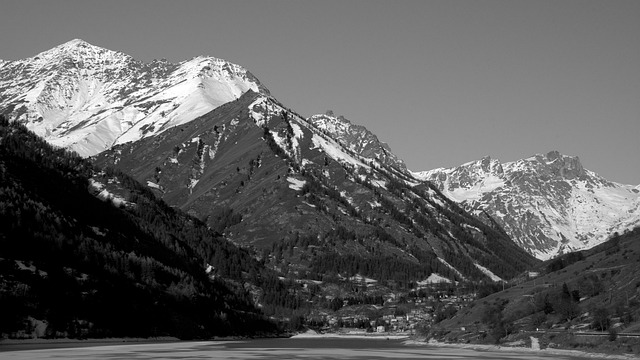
point(376, 310)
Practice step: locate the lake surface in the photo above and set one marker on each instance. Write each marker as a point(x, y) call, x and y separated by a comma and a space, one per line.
point(279, 349)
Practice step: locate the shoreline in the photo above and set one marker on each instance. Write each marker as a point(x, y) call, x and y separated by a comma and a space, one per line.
point(520, 349)
point(410, 340)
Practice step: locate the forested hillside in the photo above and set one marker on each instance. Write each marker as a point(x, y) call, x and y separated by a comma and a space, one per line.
point(583, 299)
point(88, 252)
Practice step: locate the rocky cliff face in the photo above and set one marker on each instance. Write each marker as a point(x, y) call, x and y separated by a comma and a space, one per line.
point(549, 204)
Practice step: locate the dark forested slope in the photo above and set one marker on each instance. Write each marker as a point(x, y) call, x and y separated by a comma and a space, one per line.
point(595, 291)
point(87, 253)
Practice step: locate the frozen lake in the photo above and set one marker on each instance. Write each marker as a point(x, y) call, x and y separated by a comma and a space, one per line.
point(265, 349)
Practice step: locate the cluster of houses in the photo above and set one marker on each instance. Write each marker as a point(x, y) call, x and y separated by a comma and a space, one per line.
point(403, 314)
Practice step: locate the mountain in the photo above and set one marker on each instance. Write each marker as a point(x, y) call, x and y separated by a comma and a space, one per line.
point(310, 197)
point(549, 204)
point(87, 99)
point(307, 202)
point(93, 253)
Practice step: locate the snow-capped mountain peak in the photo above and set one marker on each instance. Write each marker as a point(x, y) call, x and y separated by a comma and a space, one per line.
point(79, 49)
point(88, 99)
point(548, 203)
point(75, 54)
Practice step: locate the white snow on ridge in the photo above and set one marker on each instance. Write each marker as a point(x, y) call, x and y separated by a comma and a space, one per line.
point(296, 184)
point(258, 117)
point(262, 109)
point(425, 175)
point(192, 184)
point(484, 182)
point(190, 98)
point(333, 150)
point(105, 195)
point(488, 272)
point(451, 267)
point(214, 149)
point(298, 134)
point(153, 185)
point(379, 183)
point(209, 269)
point(434, 279)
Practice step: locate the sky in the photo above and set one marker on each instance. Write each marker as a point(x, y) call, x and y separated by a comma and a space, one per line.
point(442, 82)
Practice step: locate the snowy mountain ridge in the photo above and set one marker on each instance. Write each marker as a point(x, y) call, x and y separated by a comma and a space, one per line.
point(549, 204)
point(357, 139)
point(88, 99)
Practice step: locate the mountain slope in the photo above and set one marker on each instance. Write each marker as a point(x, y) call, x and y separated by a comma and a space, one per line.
point(549, 204)
point(300, 191)
point(74, 265)
point(87, 98)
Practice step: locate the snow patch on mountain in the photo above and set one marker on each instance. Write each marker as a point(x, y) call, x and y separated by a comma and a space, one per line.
point(488, 272)
point(433, 279)
point(153, 185)
point(262, 109)
point(334, 150)
point(445, 263)
point(296, 184)
point(298, 135)
point(106, 195)
point(379, 183)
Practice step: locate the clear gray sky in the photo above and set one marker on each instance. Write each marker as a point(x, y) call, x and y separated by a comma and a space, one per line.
point(442, 82)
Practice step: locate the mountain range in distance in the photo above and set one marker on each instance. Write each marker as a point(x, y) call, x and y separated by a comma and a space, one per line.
point(548, 203)
point(208, 138)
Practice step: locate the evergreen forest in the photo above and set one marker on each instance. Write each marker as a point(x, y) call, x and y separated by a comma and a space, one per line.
point(75, 265)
